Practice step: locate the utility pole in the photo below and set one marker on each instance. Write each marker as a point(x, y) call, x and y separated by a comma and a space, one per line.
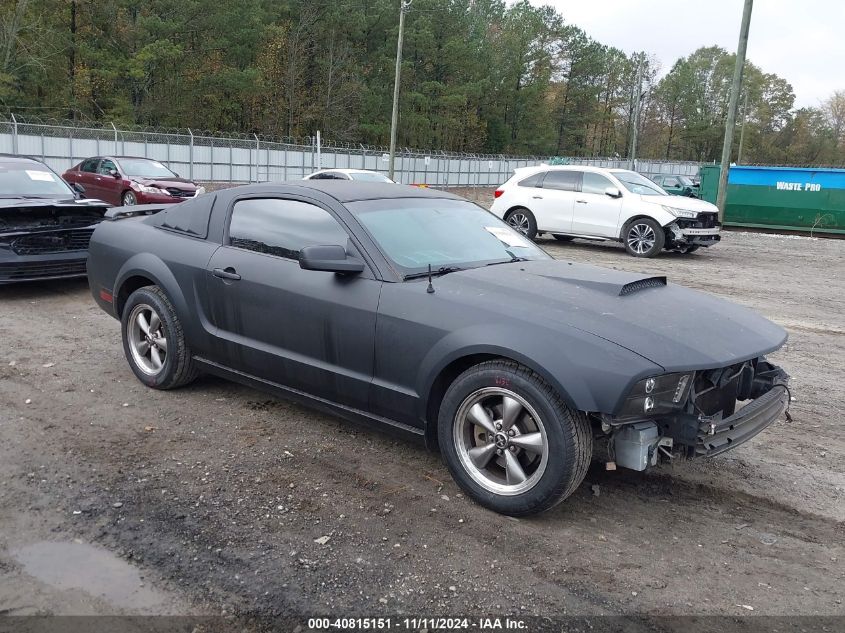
point(394, 119)
point(636, 121)
point(742, 130)
point(733, 106)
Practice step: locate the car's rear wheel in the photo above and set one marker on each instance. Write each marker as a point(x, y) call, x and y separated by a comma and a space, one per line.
point(129, 199)
point(510, 441)
point(153, 340)
point(563, 238)
point(523, 221)
point(644, 237)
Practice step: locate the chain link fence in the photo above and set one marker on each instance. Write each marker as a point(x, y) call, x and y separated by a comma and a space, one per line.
point(241, 158)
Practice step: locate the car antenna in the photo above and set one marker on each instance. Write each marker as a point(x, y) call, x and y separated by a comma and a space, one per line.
point(430, 289)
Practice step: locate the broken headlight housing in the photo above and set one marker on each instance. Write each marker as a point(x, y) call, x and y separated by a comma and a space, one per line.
point(657, 395)
point(680, 213)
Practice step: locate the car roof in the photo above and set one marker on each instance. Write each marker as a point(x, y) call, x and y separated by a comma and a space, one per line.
point(15, 158)
point(351, 190)
point(344, 170)
point(535, 168)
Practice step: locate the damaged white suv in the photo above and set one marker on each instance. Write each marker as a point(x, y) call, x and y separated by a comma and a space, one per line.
point(605, 204)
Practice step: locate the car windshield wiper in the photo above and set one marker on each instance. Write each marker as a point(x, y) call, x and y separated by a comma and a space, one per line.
point(514, 258)
point(443, 270)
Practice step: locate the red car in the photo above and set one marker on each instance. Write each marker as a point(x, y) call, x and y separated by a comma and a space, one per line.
point(126, 180)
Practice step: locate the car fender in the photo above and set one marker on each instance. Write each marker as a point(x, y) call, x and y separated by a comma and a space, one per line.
point(153, 267)
point(645, 210)
point(588, 372)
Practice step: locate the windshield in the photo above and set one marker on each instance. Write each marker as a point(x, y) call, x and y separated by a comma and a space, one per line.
point(26, 179)
point(414, 233)
point(369, 176)
point(635, 183)
point(140, 168)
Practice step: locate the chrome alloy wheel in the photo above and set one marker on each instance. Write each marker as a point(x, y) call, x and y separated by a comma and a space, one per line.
point(500, 441)
point(519, 221)
point(641, 238)
point(147, 341)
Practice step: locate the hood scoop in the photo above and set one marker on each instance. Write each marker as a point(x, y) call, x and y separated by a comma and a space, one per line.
point(610, 282)
point(641, 284)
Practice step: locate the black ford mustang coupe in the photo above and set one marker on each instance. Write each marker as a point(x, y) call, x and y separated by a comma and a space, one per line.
point(44, 225)
point(518, 367)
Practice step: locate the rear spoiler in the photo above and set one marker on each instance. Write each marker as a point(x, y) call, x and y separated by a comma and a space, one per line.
point(119, 213)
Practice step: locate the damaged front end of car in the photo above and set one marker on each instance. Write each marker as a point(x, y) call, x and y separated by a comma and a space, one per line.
point(696, 231)
point(694, 414)
point(45, 240)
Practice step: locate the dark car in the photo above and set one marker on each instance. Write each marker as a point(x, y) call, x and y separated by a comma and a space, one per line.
point(44, 225)
point(678, 185)
point(423, 313)
point(127, 180)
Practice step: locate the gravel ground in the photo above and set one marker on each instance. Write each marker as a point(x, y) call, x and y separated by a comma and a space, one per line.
point(217, 498)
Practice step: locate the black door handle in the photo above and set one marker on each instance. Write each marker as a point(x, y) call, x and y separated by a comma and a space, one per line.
point(226, 273)
point(581, 201)
point(537, 197)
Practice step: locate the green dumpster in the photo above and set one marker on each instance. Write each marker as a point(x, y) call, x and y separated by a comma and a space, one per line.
point(790, 198)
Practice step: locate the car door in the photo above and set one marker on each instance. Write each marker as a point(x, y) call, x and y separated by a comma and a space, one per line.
point(308, 330)
point(111, 187)
point(553, 204)
point(87, 177)
point(672, 185)
point(596, 213)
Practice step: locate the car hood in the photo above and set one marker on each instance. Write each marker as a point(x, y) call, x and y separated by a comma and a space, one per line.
point(163, 183)
point(679, 202)
point(34, 203)
point(672, 326)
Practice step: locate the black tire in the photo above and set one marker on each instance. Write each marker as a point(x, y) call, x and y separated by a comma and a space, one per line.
point(522, 220)
point(178, 367)
point(568, 438)
point(128, 199)
point(643, 237)
point(563, 238)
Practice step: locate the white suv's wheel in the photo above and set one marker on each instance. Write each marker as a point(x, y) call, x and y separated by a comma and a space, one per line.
point(522, 220)
point(643, 237)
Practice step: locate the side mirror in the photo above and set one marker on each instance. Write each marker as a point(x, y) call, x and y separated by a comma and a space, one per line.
point(114, 173)
point(331, 259)
point(613, 192)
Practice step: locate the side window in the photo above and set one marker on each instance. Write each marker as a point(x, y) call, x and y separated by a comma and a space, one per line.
point(106, 166)
point(595, 183)
point(532, 181)
point(282, 227)
point(90, 165)
point(671, 182)
point(563, 180)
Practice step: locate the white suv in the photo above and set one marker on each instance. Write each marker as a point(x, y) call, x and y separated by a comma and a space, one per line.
point(605, 204)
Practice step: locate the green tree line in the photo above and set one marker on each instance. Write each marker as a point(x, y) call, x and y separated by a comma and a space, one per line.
point(478, 75)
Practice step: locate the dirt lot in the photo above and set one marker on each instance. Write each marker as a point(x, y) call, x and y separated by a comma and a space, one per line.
point(215, 494)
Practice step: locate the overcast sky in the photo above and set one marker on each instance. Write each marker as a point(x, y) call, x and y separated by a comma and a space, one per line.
point(803, 41)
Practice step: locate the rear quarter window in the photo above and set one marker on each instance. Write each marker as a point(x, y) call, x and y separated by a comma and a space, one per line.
point(532, 181)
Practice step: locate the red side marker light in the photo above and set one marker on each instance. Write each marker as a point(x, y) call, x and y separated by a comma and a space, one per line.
point(105, 295)
point(498, 193)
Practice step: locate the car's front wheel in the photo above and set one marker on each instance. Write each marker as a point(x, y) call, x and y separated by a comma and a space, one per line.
point(644, 237)
point(129, 199)
point(153, 340)
point(523, 221)
point(510, 441)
